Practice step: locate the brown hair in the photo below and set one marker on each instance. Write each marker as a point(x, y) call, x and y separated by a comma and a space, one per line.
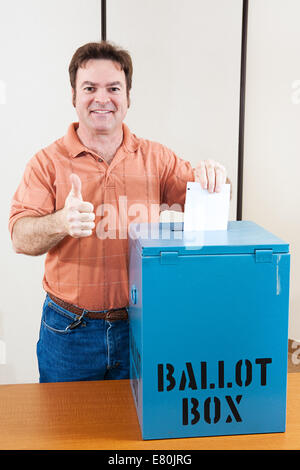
point(101, 50)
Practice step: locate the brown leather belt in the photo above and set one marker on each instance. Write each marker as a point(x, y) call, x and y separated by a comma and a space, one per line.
point(110, 315)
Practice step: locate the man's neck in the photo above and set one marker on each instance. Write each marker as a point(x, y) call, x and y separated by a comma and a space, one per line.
point(105, 145)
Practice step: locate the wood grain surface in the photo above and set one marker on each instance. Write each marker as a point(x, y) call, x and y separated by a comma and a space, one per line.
point(101, 415)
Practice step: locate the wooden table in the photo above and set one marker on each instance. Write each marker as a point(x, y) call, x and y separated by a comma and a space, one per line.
point(101, 415)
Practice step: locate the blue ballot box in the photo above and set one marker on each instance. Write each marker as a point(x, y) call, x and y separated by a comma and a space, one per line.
point(208, 330)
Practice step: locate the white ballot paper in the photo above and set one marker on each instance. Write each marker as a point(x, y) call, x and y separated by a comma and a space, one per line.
point(204, 210)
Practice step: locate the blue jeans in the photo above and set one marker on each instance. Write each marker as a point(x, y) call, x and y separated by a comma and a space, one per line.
point(94, 350)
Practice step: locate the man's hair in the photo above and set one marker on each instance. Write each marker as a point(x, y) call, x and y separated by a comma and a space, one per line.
point(101, 50)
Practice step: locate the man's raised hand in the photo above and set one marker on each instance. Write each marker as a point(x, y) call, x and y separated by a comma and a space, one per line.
point(78, 215)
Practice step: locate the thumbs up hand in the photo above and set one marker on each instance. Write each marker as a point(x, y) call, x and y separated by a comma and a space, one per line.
point(79, 215)
point(76, 186)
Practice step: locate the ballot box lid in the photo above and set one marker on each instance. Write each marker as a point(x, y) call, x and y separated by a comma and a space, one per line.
point(240, 237)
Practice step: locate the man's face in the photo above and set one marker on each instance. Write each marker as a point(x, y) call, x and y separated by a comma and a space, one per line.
point(101, 100)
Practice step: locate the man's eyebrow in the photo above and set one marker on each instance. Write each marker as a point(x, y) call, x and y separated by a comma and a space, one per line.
point(88, 83)
point(95, 84)
point(114, 84)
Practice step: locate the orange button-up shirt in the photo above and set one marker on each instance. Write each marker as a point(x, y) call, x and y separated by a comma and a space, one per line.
point(92, 272)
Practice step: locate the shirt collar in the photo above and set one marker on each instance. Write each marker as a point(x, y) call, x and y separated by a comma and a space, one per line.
point(75, 147)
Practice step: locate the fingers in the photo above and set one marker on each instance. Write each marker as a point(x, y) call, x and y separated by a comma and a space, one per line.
point(211, 175)
point(85, 207)
point(220, 177)
point(76, 186)
point(81, 224)
point(79, 215)
point(81, 233)
point(200, 174)
point(87, 217)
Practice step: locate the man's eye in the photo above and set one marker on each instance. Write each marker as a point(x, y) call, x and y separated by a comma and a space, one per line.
point(89, 88)
point(114, 89)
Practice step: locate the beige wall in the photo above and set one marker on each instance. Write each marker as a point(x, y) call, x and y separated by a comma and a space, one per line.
point(186, 80)
point(184, 97)
point(37, 40)
point(272, 123)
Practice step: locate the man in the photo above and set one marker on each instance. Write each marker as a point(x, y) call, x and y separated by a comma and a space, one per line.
point(75, 202)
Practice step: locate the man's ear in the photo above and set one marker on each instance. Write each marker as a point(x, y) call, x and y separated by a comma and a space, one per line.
point(73, 97)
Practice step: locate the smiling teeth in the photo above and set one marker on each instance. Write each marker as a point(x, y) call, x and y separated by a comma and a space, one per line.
point(101, 112)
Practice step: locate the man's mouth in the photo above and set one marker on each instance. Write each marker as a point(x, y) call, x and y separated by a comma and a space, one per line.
point(101, 111)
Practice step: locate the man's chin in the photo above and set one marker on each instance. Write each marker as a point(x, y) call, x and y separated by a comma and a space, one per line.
point(101, 128)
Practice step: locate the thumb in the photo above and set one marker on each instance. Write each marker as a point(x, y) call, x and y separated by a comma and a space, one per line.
point(76, 186)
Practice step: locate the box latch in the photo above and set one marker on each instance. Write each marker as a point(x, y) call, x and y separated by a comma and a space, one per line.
point(264, 256)
point(168, 257)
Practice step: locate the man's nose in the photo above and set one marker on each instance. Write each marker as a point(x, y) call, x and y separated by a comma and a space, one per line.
point(102, 101)
point(102, 97)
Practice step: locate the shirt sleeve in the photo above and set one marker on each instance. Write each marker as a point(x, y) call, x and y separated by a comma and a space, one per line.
point(35, 195)
point(176, 173)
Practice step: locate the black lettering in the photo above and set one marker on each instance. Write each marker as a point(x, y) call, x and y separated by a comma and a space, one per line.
point(263, 369)
point(217, 409)
point(160, 377)
point(217, 413)
point(170, 377)
point(195, 411)
point(238, 373)
point(233, 408)
point(185, 419)
point(192, 382)
point(221, 374)
point(207, 411)
point(182, 381)
point(203, 375)
point(248, 373)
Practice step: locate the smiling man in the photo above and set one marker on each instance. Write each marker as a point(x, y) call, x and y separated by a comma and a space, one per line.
point(75, 202)
point(101, 103)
